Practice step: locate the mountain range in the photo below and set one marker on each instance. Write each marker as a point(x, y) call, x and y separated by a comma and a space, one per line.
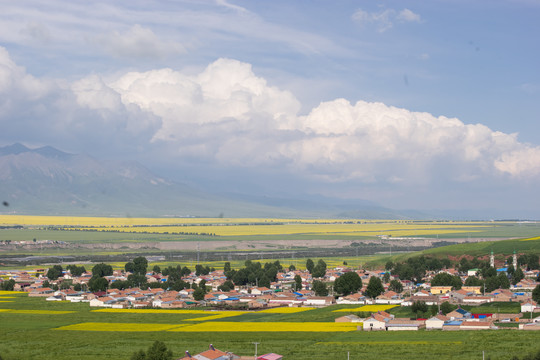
point(47, 181)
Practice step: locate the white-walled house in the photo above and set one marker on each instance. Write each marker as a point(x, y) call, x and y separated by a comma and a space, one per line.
point(528, 306)
point(436, 322)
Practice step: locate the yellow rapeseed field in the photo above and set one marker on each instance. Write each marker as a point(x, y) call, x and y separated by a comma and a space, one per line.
point(368, 308)
point(245, 226)
point(218, 326)
point(3, 292)
point(97, 326)
point(220, 315)
point(37, 312)
point(115, 221)
point(533, 238)
point(394, 230)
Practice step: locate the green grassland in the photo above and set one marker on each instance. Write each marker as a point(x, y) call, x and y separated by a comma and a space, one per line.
point(504, 247)
point(32, 336)
point(481, 248)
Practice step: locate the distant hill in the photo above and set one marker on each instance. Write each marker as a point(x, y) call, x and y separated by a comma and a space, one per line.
point(48, 181)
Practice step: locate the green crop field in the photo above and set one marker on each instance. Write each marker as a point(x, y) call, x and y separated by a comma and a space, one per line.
point(32, 328)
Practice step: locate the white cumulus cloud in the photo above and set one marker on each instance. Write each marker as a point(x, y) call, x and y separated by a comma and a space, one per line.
point(229, 116)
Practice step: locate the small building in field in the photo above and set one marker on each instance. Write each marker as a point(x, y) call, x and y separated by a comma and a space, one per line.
point(348, 318)
point(404, 324)
point(476, 325)
point(436, 322)
point(375, 322)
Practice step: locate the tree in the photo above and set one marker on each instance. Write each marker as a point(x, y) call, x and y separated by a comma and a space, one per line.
point(156, 269)
point(198, 294)
point(446, 307)
point(140, 264)
point(536, 294)
point(510, 270)
point(226, 268)
point(445, 279)
point(517, 276)
point(310, 265)
point(185, 271)
point(157, 351)
point(76, 270)
point(102, 270)
point(320, 288)
point(138, 355)
point(348, 283)
point(489, 272)
point(297, 282)
point(434, 309)
point(386, 277)
point(202, 285)
point(319, 270)
point(396, 286)
point(419, 307)
point(504, 283)
point(264, 281)
point(473, 281)
point(55, 272)
point(66, 284)
point(97, 283)
point(389, 265)
point(491, 283)
point(136, 280)
point(8, 285)
point(446, 263)
point(292, 267)
point(226, 286)
point(374, 288)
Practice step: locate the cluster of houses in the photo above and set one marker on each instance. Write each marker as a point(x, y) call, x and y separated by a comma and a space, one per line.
point(458, 319)
point(214, 354)
point(282, 293)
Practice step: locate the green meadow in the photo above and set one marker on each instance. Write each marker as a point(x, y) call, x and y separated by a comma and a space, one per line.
point(29, 329)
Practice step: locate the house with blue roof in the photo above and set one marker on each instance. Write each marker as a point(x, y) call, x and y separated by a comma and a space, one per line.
point(459, 314)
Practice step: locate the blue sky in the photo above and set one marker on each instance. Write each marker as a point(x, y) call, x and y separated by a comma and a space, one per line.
point(410, 104)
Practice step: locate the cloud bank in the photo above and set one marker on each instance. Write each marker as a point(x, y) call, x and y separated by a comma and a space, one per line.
point(226, 115)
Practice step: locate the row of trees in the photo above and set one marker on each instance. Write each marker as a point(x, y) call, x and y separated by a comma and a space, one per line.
point(316, 270)
point(253, 273)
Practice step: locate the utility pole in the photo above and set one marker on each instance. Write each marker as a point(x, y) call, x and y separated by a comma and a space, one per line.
point(255, 343)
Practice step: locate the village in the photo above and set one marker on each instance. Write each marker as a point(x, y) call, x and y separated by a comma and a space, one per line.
point(286, 291)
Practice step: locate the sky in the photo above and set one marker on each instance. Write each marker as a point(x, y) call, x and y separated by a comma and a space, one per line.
point(408, 104)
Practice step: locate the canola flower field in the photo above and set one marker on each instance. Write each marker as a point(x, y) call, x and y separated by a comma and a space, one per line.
point(33, 328)
point(245, 227)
